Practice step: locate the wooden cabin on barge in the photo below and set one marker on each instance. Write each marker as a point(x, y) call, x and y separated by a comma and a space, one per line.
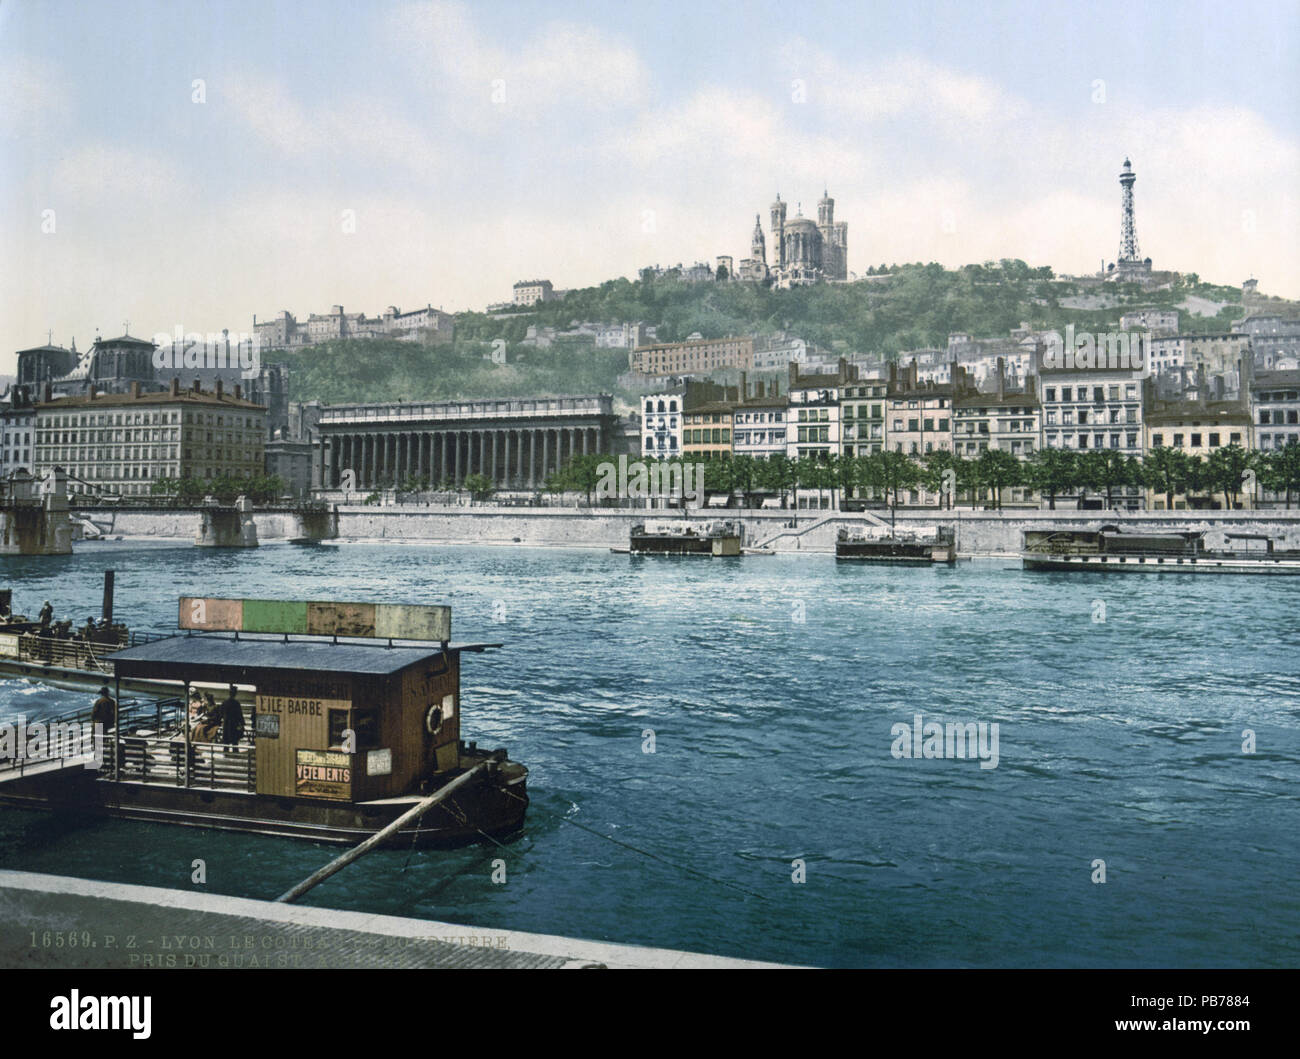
point(343, 736)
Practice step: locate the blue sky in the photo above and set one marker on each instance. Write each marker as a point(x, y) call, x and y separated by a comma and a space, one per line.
point(473, 145)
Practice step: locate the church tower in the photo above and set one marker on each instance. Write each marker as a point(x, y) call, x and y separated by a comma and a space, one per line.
point(778, 233)
point(758, 247)
point(826, 214)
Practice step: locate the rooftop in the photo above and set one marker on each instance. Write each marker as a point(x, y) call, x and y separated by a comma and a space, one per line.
point(225, 658)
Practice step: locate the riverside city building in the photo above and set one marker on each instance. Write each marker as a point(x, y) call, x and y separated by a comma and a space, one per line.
point(515, 442)
point(123, 443)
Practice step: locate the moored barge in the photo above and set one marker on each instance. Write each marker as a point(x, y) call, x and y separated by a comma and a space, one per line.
point(920, 547)
point(666, 537)
point(355, 720)
point(1111, 549)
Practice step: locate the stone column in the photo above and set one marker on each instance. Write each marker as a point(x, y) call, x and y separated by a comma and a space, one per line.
point(496, 437)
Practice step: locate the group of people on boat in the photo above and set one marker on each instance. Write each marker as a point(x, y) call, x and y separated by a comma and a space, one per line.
point(95, 630)
point(209, 722)
point(213, 723)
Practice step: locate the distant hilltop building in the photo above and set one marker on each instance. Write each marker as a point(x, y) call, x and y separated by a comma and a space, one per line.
point(696, 273)
point(532, 291)
point(285, 332)
point(803, 251)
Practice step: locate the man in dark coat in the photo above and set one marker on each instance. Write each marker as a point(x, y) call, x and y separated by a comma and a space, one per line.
point(104, 712)
point(232, 719)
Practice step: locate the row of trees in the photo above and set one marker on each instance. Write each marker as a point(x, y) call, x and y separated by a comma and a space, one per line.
point(1052, 473)
point(226, 488)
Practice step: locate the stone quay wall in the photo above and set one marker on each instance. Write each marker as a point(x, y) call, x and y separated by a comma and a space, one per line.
point(978, 533)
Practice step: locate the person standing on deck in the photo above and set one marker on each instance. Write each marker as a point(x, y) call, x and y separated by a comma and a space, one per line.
point(232, 719)
point(104, 712)
point(46, 615)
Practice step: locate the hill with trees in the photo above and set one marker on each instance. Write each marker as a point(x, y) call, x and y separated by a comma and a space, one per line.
point(894, 308)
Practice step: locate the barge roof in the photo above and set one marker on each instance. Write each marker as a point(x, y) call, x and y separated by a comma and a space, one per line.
point(224, 657)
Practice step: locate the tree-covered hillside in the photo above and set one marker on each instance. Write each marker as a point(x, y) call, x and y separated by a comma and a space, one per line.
point(899, 308)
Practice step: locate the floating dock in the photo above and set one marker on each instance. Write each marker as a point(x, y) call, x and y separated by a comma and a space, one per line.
point(54, 921)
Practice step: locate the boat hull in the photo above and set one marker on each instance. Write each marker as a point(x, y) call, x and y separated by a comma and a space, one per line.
point(1206, 563)
point(705, 546)
point(896, 553)
point(494, 807)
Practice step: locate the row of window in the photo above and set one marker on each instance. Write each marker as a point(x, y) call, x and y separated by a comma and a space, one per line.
point(1111, 415)
point(915, 424)
point(1216, 439)
point(1054, 441)
point(117, 419)
point(1099, 393)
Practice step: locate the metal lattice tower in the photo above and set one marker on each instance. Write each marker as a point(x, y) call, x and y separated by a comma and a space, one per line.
point(1128, 238)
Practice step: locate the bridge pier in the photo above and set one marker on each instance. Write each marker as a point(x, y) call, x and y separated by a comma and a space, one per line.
point(318, 523)
point(225, 526)
point(34, 516)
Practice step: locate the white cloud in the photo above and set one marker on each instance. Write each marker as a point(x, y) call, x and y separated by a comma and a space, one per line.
point(32, 96)
point(564, 65)
point(365, 129)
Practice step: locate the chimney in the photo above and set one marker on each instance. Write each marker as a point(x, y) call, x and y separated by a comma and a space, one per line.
point(135, 391)
point(94, 390)
point(1202, 385)
point(219, 386)
point(176, 386)
point(47, 395)
point(1002, 378)
point(195, 387)
point(239, 393)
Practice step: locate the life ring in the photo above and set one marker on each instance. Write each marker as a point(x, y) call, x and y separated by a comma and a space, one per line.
point(433, 720)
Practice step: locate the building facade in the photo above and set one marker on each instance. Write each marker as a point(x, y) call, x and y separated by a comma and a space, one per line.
point(532, 291)
point(124, 443)
point(862, 417)
point(516, 443)
point(1275, 398)
point(696, 357)
point(285, 332)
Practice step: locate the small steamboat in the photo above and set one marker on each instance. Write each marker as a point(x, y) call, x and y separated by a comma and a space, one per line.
point(355, 720)
point(921, 547)
point(714, 538)
point(1110, 549)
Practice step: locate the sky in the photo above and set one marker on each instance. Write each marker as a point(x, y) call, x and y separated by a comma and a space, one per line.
point(193, 164)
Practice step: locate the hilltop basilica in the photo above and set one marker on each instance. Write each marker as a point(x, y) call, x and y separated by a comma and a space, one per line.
point(802, 252)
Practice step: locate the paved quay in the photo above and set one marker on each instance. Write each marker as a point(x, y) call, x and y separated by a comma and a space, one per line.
point(54, 921)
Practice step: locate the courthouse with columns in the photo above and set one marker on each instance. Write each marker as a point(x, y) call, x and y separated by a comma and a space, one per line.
point(515, 442)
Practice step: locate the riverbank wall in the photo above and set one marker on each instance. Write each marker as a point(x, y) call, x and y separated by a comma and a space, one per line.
point(978, 533)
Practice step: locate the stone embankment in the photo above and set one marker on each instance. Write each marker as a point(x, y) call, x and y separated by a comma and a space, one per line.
point(979, 533)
